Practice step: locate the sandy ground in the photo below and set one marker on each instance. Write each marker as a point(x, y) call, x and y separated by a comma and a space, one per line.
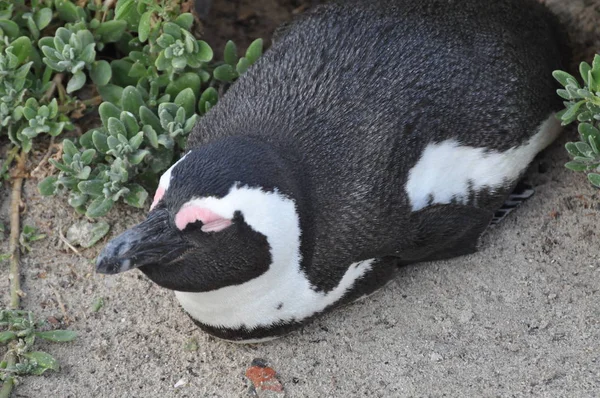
point(519, 318)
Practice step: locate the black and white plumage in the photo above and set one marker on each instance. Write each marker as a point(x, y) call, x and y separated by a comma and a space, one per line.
point(371, 134)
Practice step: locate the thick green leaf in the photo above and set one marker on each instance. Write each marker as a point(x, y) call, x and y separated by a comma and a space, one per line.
point(584, 69)
point(127, 10)
point(136, 140)
point(99, 207)
point(42, 17)
point(76, 82)
point(43, 361)
point(151, 135)
point(92, 187)
point(9, 27)
point(242, 66)
point(57, 336)
point(562, 77)
point(99, 140)
point(571, 113)
point(111, 93)
point(145, 25)
point(564, 94)
point(84, 173)
point(594, 179)
point(584, 148)
point(121, 69)
point(210, 95)
point(205, 53)
point(187, 100)
point(149, 118)
point(67, 11)
point(111, 31)
point(137, 196)
point(101, 73)
point(187, 80)
point(132, 100)
point(595, 74)
point(162, 62)
point(131, 124)
point(576, 166)
point(77, 199)
point(112, 142)
point(22, 48)
point(108, 110)
point(572, 149)
point(137, 71)
point(69, 148)
point(99, 231)
point(116, 127)
point(88, 55)
point(86, 140)
point(33, 29)
point(172, 29)
point(225, 73)
point(185, 20)
point(7, 336)
point(136, 158)
point(254, 51)
point(47, 186)
point(230, 54)
point(87, 156)
point(587, 130)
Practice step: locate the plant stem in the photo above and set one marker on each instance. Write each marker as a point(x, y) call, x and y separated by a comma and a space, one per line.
point(14, 273)
point(55, 82)
point(9, 383)
point(94, 101)
point(15, 231)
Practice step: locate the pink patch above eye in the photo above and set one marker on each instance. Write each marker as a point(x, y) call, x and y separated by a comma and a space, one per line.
point(211, 221)
point(160, 192)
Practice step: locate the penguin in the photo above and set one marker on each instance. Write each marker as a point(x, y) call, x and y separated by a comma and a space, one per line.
point(372, 134)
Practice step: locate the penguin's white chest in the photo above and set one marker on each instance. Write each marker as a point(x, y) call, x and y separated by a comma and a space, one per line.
point(273, 298)
point(283, 293)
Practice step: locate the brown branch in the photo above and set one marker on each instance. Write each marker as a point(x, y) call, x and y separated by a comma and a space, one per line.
point(45, 158)
point(14, 273)
point(15, 231)
point(61, 305)
point(55, 83)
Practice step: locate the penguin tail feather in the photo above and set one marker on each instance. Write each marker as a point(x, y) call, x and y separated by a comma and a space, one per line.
point(520, 194)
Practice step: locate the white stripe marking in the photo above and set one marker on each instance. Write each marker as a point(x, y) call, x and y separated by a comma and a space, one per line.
point(446, 169)
point(254, 303)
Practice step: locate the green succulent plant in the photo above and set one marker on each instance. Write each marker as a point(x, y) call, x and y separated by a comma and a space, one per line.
point(44, 119)
point(582, 105)
point(22, 330)
point(74, 51)
point(161, 81)
point(12, 85)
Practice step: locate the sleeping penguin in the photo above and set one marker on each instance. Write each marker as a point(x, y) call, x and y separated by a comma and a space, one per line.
point(372, 134)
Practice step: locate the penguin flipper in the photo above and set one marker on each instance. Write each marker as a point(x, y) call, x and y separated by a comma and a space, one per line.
point(444, 231)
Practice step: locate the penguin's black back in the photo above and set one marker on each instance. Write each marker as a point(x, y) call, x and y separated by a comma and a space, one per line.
point(352, 93)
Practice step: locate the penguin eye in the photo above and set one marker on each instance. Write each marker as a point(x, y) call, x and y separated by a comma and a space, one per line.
point(191, 213)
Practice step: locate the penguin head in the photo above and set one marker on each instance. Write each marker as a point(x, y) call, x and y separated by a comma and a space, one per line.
point(219, 217)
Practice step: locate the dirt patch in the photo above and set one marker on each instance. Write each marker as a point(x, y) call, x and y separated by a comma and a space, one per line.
point(521, 317)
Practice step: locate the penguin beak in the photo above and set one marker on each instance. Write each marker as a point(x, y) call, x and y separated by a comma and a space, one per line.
point(153, 241)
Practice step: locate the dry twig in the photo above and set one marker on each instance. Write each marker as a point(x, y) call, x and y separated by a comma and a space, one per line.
point(14, 273)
